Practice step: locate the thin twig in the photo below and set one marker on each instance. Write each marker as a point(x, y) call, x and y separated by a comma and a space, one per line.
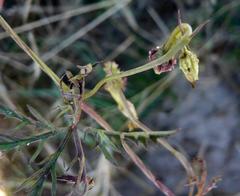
point(145, 170)
point(93, 114)
point(160, 23)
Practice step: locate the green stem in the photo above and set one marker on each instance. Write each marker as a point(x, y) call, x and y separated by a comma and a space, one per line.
point(143, 134)
point(185, 39)
point(172, 52)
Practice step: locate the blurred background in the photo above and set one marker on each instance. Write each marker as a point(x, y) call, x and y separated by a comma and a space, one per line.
point(77, 32)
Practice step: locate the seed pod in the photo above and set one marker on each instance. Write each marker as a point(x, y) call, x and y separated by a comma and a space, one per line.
point(188, 63)
point(181, 30)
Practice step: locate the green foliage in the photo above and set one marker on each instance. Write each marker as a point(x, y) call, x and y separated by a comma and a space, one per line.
point(13, 143)
point(37, 152)
point(34, 184)
point(107, 139)
point(107, 146)
point(109, 142)
point(98, 137)
point(9, 143)
point(54, 181)
point(9, 113)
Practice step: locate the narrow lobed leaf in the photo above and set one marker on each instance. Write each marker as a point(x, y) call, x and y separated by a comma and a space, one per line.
point(54, 181)
point(8, 145)
point(9, 113)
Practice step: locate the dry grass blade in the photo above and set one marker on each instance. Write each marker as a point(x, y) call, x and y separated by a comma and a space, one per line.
point(4, 95)
point(16, 64)
point(128, 14)
point(29, 51)
point(84, 30)
point(121, 48)
point(199, 28)
point(160, 23)
point(59, 17)
point(151, 96)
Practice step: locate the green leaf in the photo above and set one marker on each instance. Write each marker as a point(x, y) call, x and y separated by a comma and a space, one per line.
point(6, 138)
point(39, 117)
point(38, 187)
point(142, 136)
point(89, 138)
point(54, 181)
point(9, 113)
point(107, 146)
point(21, 125)
point(108, 140)
point(37, 152)
point(31, 181)
point(8, 145)
point(45, 160)
point(93, 137)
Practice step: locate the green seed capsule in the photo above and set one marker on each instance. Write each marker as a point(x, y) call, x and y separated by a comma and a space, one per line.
point(181, 30)
point(188, 62)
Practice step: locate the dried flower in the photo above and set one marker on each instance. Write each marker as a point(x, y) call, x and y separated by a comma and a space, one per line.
point(115, 88)
point(165, 67)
